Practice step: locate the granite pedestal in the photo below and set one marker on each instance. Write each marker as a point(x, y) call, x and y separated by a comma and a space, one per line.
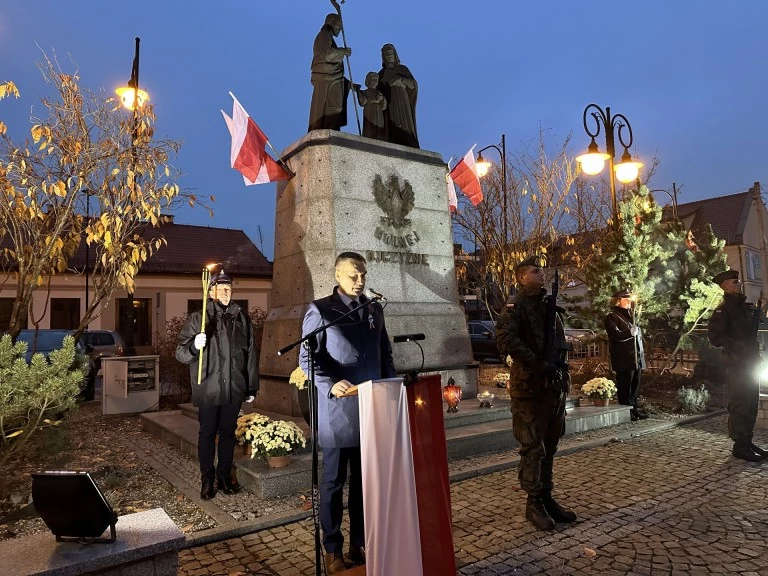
point(388, 203)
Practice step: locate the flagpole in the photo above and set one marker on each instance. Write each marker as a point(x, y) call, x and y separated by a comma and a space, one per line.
point(349, 66)
point(279, 158)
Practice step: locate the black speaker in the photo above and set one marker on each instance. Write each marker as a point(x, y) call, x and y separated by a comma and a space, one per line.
point(72, 506)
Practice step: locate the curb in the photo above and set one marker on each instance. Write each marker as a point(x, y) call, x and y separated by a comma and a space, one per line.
point(242, 529)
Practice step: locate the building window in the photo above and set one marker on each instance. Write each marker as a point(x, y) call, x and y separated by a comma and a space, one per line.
point(6, 307)
point(65, 313)
point(753, 266)
point(197, 305)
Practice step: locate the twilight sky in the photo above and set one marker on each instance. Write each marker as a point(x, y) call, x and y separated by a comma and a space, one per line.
point(690, 76)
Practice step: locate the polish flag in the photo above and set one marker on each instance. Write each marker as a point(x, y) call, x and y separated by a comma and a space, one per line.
point(406, 491)
point(464, 174)
point(249, 155)
point(452, 200)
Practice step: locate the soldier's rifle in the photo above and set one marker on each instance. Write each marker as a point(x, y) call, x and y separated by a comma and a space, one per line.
point(552, 346)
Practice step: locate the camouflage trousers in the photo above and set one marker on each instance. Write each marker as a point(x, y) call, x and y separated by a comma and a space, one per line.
point(538, 423)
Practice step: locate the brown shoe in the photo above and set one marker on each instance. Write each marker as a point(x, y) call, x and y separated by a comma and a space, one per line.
point(356, 555)
point(334, 563)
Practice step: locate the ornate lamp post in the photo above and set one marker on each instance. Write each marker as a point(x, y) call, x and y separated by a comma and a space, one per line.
point(593, 161)
point(132, 98)
point(483, 166)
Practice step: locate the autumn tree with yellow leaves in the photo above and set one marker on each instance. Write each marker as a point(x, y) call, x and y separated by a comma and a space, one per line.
point(83, 145)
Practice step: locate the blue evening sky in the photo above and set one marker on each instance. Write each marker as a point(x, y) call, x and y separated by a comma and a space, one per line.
point(690, 75)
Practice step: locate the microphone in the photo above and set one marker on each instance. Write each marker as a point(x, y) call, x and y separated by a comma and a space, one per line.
point(373, 295)
point(408, 337)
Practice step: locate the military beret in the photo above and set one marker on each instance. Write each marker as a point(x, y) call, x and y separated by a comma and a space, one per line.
point(534, 260)
point(727, 275)
point(622, 294)
point(220, 277)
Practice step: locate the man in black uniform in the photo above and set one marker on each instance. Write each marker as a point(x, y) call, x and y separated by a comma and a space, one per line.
point(230, 376)
point(537, 390)
point(625, 344)
point(733, 327)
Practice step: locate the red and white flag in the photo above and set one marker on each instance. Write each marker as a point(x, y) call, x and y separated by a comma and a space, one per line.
point(452, 200)
point(464, 174)
point(248, 154)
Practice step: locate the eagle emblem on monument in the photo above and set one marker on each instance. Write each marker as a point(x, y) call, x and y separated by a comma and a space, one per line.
point(396, 201)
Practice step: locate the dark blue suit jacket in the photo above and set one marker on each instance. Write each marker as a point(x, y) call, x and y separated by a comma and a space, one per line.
point(355, 350)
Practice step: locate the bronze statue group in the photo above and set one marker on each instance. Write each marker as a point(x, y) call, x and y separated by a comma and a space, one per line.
point(388, 100)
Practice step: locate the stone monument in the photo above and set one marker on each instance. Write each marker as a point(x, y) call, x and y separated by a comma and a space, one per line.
point(389, 203)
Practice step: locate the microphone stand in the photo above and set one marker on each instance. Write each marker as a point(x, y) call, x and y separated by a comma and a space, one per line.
point(310, 343)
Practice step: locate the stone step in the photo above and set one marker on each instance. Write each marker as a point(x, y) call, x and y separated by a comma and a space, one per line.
point(471, 440)
point(493, 432)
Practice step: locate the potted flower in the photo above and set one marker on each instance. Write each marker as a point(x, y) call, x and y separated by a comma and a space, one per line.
point(599, 390)
point(299, 379)
point(248, 423)
point(274, 440)
point(501, 379)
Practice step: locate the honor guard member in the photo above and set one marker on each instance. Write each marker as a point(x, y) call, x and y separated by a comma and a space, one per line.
point(733, 327)
point(537, 390)
point(625, 344)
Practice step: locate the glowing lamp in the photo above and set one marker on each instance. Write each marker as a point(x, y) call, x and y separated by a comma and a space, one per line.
point(593, 161)
point(452, 395)
point(482, 166)
point(129, 96)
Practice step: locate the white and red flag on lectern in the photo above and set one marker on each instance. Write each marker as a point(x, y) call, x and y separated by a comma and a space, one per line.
point(406, 492)
point(464, 175)
point(248, 154)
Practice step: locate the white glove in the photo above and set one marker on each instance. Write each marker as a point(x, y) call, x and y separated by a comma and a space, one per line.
point(633, 330)
point(249, 399)
point(200, 340)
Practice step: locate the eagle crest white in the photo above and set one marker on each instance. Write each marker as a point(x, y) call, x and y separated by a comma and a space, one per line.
point(395, 200)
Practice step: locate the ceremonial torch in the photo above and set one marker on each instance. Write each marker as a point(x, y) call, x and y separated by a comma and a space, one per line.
point(206, 281)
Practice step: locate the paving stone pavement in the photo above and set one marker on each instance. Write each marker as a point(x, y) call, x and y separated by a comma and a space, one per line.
point(674, 502)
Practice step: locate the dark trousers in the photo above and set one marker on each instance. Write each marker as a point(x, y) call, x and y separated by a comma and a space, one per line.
point(335, 462)
point(538, 423)
point(743, 400)
point(628, 387)
point(221, 420)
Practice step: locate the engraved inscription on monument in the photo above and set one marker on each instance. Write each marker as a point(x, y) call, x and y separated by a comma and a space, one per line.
point(396, 201)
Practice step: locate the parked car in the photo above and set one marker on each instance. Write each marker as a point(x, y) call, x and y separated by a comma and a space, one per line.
point(482, 335)
point(45, 341)
point(103, 343)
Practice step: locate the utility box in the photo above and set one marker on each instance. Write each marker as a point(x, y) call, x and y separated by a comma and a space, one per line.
point(130, 384)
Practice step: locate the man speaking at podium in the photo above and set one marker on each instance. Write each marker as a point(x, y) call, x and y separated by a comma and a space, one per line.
point(354, 351)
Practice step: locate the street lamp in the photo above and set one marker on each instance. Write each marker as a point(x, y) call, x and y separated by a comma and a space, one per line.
point(593, 161)
point(483, 166)
point(672, 196)
point(132, 98)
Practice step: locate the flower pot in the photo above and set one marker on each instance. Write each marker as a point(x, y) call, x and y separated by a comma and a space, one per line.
point(247, 449)
point(278, 461)
point(600, 401)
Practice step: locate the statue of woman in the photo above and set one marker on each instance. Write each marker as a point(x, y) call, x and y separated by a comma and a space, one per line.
point(400, 89)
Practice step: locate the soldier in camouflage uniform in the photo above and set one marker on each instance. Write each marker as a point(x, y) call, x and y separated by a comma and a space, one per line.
point(537, 392)
point(733, 327)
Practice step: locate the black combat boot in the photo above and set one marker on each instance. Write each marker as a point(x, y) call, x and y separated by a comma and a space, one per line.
point(744, 452)
point(207, 491)
point(537, 515)
point(557, 512)
point(759, 451)
point(227, 486)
